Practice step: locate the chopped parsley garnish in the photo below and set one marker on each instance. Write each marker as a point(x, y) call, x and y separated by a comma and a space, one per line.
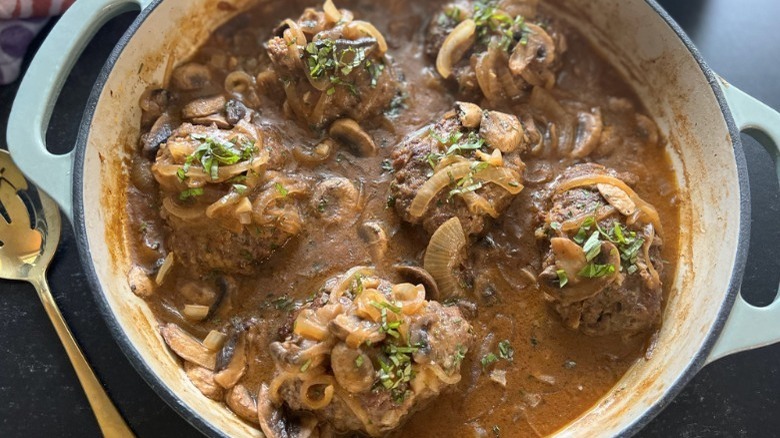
point(390, 201)
point(594, 270)
point(592, 246)
point(460, 354)
point(283, 303)
point(488, 359)
point(491, 21)
point(356, 288)
point(396, 371)
point(387, 166)
point(281, 190)
point(189, 193)
point(467, 184)
point(321, 205)
point(627, 242)
point(359, 361)
point(214, 152)
point(505, 350)
point(239, 188)
point(496, 431)
point(385, 326)
point(456, 143)
point(305, 365)
point(563, 279)
point(325, 58)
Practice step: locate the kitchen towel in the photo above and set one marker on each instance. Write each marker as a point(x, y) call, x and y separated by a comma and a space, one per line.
point(20, 21)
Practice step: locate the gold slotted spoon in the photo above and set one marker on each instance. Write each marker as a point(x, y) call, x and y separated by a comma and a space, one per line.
point(29, 233)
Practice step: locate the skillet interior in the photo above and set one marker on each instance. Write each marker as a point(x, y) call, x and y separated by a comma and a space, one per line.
point(636, 40)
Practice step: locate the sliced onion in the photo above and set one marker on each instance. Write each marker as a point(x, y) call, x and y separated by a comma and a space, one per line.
point(478, 204)
point(508, 179)
point(332, 13)
point(655, 279)
point(214, 340)
point(164, 269)
point(224, 173)
point(454, 46)
point(444, 252)
point(486, 74)
point(217, 208)
point(646, 210)
point(184, 213)
point(306, 326)
point(359, 28)
point(196, 312)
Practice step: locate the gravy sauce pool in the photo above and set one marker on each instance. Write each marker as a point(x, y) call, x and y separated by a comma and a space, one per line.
point(556, 373)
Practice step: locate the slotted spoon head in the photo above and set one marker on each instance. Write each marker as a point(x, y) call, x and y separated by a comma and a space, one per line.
point(29, 225)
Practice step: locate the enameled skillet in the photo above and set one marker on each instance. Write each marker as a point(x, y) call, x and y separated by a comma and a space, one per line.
point(700, 113)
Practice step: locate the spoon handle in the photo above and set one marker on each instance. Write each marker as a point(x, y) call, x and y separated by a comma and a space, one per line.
point(110, 421)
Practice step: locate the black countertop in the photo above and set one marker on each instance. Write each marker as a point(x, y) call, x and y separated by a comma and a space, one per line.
point(735, 396)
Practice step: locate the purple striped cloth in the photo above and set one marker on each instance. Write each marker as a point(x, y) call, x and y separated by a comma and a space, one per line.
point(20, 21)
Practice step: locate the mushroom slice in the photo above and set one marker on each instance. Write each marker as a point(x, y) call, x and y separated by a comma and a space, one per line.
point(335, 199)
point(351, 134)
point(617, 198)
point(240, 401)
point(373, 234)
point(140, 282)
point(233, 372)
point(271, 419)
point(191, 76)
point(540, 48)
point(205, 106)
point(158, 134)
point(581, 288)
point(187, 347)
point(501, 131)
point(444, 254)
point(588, 133)
point(568, 256)
point(203, 379)
point(455, 46)
point(469, 114)
point(212, 119)
point(352, 368)
point(418, 275)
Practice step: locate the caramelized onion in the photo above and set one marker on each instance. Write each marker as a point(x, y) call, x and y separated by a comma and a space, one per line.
point(508, 179)
point(165, 268)
point(645, 210)
point(478, 204)
point(184, 213)
point(454, 46)
point(195, 312)
point(332, 13)
point(214, 340)
point(361, 29)
point(443, 254)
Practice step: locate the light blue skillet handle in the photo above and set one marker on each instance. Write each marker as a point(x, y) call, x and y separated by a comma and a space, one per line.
point(748, 326)
point(40, 88)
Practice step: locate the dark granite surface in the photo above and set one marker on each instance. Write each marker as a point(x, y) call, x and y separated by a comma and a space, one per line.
point(736, 396)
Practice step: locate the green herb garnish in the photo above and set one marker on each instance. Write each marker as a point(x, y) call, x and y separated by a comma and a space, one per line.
point(505, 350)
point(189, 193)
point(281, 190)
point(563, 279)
